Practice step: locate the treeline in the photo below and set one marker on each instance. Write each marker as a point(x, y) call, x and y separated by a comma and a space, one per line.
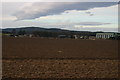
point(51, 33)
point(67, 33)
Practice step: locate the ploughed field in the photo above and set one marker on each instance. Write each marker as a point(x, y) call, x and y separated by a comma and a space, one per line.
point(59, 58)
point(42, 48)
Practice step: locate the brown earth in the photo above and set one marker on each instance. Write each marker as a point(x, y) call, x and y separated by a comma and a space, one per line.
point(59, 48)
point(60, 68)
point(59, 58)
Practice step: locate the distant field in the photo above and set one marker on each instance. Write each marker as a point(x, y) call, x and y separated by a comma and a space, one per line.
point(42, 48)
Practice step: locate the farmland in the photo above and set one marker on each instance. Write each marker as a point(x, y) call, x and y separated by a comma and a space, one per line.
point(59, 58)
point(59, 48)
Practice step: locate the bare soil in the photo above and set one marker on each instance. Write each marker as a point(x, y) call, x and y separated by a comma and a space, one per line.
point(59, 58)
point(59, 48)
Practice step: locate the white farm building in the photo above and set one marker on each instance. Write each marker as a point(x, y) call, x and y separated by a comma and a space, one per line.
point(105, 35)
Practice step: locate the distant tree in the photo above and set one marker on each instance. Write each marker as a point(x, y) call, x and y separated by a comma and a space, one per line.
point(57, 33)
point(14, 31)
point(21, 32)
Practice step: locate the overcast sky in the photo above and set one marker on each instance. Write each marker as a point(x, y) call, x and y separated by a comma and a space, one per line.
point(81, 16)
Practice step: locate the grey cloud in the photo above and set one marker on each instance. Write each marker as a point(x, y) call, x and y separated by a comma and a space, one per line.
point(37, 10)
point(92, 23)
point(89, 13)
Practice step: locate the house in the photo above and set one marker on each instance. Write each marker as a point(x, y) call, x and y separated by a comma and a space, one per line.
point(75, 36)
point(105, 35)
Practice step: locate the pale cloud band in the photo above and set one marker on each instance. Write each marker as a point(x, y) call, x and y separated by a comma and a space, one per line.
point(93, 23)
point(85, 23)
